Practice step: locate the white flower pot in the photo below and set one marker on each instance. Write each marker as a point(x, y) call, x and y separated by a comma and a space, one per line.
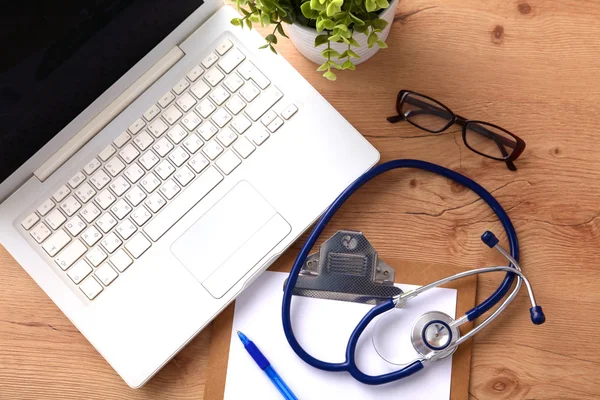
point(303, 38)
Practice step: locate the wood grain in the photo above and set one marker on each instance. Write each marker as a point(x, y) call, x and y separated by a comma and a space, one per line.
point(531, 66)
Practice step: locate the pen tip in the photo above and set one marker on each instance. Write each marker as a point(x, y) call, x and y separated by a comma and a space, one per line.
point(243, 338)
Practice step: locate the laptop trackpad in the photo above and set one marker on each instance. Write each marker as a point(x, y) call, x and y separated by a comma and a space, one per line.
point(231, 238)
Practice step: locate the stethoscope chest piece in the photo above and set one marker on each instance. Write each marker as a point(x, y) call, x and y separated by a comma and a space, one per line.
point(434, 331)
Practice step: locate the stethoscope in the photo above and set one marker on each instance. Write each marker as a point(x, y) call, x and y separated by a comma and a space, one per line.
point(435, 335)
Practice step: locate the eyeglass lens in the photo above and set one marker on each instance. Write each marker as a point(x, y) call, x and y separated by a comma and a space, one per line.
point(489, 140)
point(425, 113)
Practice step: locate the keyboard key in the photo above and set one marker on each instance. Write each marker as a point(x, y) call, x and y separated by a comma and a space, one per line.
point(137, 126)
point(158, 127)
point(106, 274)
point(100, 179)
point(95, 256)
point(268, 117)
point(137, 245)
point(122, 139)
point(170, 189)
point(70, 254)
point(224, 46)
point(241, 124)
point(276, 124)
point(195, 73)
point(134, 173)
point(91, 288)
point(143, 140)
point(249, 91)
point(249, 71)
point(79, 271)
point(193, 143)
point(219, 95)
point(40, 232)
point(266, 100)
point(129, 153)
point(226, 136)
point(61, 193)
point(31, 219)
point(107, 152)
point(162, 147)
point(90, 212)
point(76, 180)
point(172, 114)
point(75, 226)
point(91, 167)
point(191, 121)
point(205, 108)
point(45, 207)
point(214, 76)
point(121, 260)
point(198, 163)
point(121, 209)
point(152, 112)
point(289, 111)
point(111, 242)
point(181, 86)
point(258, 136)
point(186, 102)
point(166, 99)
point(179, 206)
point(207, 130)
point(85, 192)
point(228, 162)
point(212, 149)
point(155, 202)
point(91, 235)
point(221, 117)
point(231, 60)
point(141, 216)
point(178, 156)
point(119, 186)
point(56, 242)
point(164, 169)
point(184, 175)
point(126, 229)
point(149, 160)
point(135, 196)
point(235, 105)
point(105, 199)
point(200, 89)
point(209, 60)
point(114, 166)
point(177, 134)
point(55, 219)
point(233, 82)
point(71, 205)
point(243, 147)
point(150, 182)
point(106, 222)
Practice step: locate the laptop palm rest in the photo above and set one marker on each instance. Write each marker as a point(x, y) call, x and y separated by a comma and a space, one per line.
point(231, 238)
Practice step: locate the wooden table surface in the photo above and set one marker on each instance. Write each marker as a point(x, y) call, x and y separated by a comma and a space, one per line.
point(531, 66)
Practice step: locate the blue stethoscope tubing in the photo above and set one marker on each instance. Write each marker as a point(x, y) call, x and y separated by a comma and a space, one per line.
point(349, 364)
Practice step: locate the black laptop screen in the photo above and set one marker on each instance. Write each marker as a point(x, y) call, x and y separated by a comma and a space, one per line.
point(59, 56)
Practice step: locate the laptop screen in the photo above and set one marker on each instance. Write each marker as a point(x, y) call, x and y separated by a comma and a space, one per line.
point(59, 56)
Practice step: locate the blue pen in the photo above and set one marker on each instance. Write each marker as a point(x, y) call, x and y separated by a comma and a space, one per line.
point(265, 365)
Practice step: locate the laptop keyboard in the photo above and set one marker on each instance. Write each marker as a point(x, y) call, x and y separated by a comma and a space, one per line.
point(106, 216)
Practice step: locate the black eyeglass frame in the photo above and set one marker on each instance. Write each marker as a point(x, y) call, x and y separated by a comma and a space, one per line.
point(473, 125)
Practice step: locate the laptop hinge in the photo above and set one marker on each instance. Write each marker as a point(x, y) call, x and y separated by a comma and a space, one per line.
point(108, 114)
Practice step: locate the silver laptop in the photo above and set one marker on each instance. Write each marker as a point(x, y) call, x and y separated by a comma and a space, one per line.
point(154, 162)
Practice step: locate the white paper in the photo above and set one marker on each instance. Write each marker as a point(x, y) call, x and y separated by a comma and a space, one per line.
point(323, 327)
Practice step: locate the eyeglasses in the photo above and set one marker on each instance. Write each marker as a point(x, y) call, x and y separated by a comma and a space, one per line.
point(483, 138)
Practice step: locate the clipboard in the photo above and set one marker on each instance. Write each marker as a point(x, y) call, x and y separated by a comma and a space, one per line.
point(406, 272)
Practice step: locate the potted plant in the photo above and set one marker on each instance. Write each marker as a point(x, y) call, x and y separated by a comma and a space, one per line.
point(337, 34)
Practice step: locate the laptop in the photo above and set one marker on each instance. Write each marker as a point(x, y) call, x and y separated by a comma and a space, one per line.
point(154, 163)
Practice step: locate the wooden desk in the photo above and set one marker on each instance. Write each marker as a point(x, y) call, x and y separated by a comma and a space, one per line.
point(531, 66)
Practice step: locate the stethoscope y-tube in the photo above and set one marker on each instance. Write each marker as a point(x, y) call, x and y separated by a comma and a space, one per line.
point(349, 364)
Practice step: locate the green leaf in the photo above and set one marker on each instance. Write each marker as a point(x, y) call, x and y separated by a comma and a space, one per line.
point(280, 30)
point(236, 22)
point(372, 39)
point(273, 49)
point(334, 7)
point(321, 39)
point(382, 3)
point(335, 38)
point(330, 53)
point(316, 5)
point(306, 10)
point(324, 67)
point(370, 5)
point(254, 18)
point(271, 38)
point(265, 19)
point(381, 44)
point(330, 75)
point(348, 65)
point(356, 20)
point(353, 42)
point(343, 55)
point(246, 12)
point(249, 24)
point(360, 29)
point(335, 65)
point(379, 23)
point(328, 24)
point(353, 54)
point(264, 46)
